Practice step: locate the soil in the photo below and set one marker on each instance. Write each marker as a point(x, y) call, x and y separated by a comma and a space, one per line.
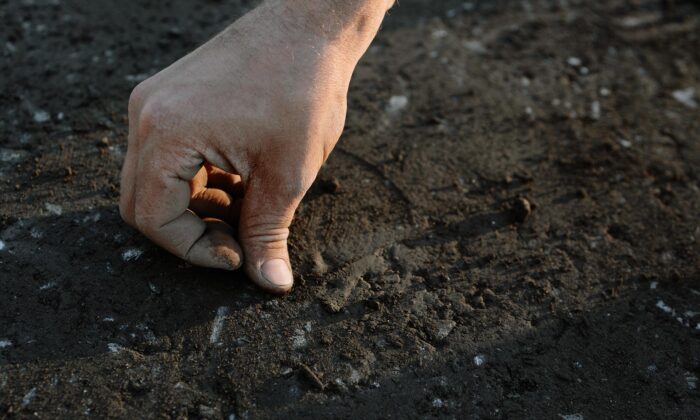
point(508, 228)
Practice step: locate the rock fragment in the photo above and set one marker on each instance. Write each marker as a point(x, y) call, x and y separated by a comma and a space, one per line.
point(521, 209)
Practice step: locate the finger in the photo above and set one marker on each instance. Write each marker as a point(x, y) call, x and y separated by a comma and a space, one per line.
point(266, 214)
point(212, 202)
point(161, 213)
point(199, 182)
point(218, 178)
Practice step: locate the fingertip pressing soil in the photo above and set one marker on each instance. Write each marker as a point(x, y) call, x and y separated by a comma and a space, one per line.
point(507, 229)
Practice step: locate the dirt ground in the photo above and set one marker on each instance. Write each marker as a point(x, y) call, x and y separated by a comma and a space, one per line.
point(508, 228)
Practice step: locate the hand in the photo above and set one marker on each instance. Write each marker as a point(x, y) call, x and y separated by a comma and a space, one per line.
point(224, 143)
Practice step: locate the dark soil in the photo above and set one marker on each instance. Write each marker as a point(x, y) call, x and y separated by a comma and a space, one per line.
point(521, 240)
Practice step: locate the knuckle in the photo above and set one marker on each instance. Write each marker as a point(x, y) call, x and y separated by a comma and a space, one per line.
point(155, 115)
point(137, 97)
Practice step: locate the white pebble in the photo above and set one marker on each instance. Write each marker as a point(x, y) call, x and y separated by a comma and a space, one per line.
point(604, 92)
point(653, 285)
point(574, 61)
point(131, 254)
point(48, 285)
point(474, 46)
point(114, 347)
point(479, 359)
point(397, 103)
point(575, 416)
point(625, 143)
point(691, 380)
point(438, 403)
point(686, 97)
point(54, 209)
point(36, 233)
point(218, 324)
point(9, 155)
point(41, 116)
point(299, 339)
point(136, 77)
point(662, 305)
point(439, 33)
point(2, 245)
point(5, 343)
point(28, 397)
point(595, 110)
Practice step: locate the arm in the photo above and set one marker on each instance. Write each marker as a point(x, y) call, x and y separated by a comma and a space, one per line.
point(225, 142)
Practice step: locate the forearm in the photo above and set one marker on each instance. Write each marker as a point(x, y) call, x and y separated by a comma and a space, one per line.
point(351, 25)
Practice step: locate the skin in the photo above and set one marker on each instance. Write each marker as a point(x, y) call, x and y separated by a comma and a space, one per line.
point(225, 142)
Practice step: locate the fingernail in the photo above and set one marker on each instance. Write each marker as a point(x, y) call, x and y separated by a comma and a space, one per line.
point(277, 273)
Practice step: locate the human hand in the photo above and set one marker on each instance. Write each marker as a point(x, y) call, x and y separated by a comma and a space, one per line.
point(225, 142)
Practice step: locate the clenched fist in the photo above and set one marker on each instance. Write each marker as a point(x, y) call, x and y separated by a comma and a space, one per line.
point(225, 142)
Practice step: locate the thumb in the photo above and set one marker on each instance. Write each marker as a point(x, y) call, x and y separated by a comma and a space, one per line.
point(266, 213)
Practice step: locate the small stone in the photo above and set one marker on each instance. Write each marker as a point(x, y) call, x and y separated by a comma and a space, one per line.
point(443, 328)
point(686, 97)
point(574, 61)
point(114, 347)
point(54, 209)
point(154, 288)
point(595, 110)
point(664, 307)
point(41, 116)
point(479, 360)
point(208, 412)
point(28, 397)
point(298, 339)
point(691, 380)
point(131, 254)
point(104, 142)
point(488, 294)
point(575, 416)
point(478, 302)
point(396, 104)
point(521, 209)
point(439, 33)
point(330, 186)
point(475, 46)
